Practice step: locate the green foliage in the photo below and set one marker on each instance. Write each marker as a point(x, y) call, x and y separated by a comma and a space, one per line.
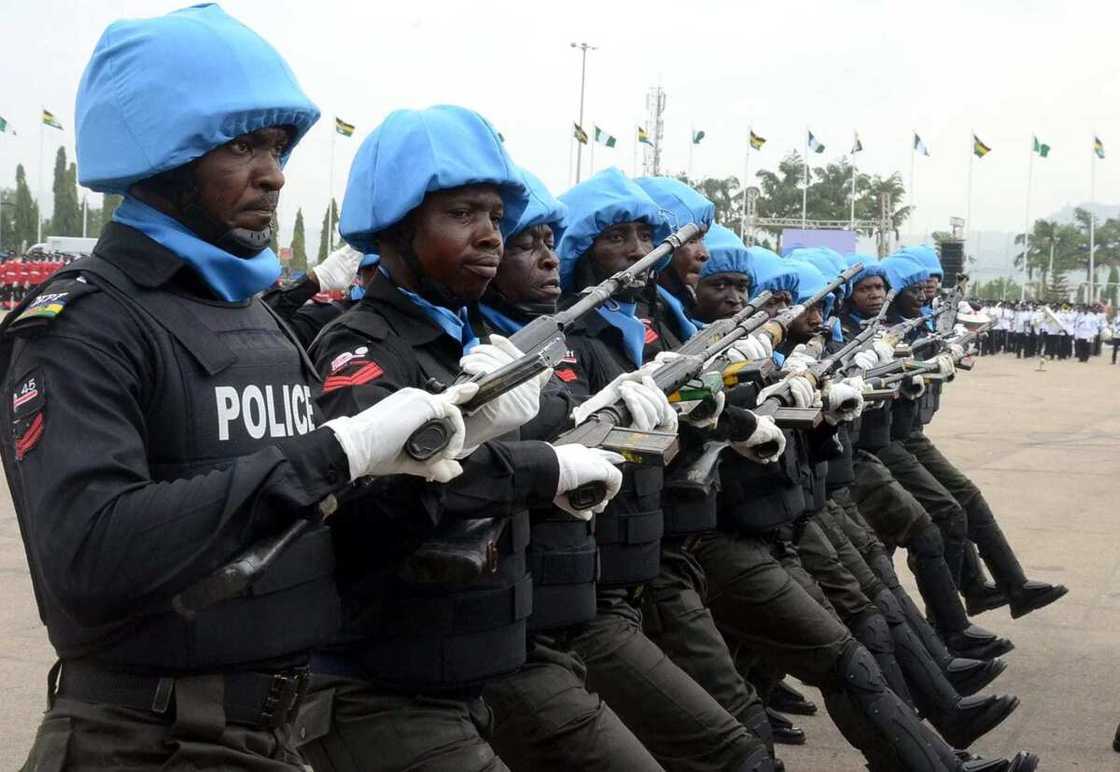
point(26, 216)
point(1111, 292)
point(67, 217)
point(299, 246)
point(998, 289)
point(330, 221)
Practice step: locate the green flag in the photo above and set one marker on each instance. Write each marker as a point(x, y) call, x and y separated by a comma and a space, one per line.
point(5, 128)
point(697, 136)
point(603, 138)
point(1042, 149)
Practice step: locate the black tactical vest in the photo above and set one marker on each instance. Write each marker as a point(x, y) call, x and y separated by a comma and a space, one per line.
point(904, 417)
point(231, 379)
point(930, 402)
point(758, 498)
point(690, 499)
point(840, 473)
point(442, 636)
point(564, 560)
point(629, 531)
point(872, 429)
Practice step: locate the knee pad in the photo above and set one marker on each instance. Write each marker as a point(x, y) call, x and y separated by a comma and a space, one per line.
point(858, 671)
point(870, 628)
point(890, 608)
point(927, 544)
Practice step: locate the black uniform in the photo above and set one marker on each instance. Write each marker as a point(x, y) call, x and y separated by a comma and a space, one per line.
point(681, 724)
point(155, 434)
point(404, 680)
point(306, 319)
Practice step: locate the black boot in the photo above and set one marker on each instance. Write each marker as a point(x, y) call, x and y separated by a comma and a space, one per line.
point(1032, 595)
point(968, 676)
point(786, 699)
point(975, 642)
point(783, 730)
point(1023, 761)
point(973, 717)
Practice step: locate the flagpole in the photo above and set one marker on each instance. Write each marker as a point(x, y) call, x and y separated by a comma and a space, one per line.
point(852, 224)
point(746, 179)
point(1027, 216)
point(691, 145)
point(330, 194)
point(594, 142)
point(805, 180)
point(1092, 219)
point(913, 184)
point(39, 217)
point(968, 209)
point(634, 134)
point(84, 217)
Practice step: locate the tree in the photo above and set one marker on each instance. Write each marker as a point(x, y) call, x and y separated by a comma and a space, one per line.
point(330, 220)
point(1112, 289)
point(67, 217)
point(109, 204)
point(26, 215)
point(299, 247)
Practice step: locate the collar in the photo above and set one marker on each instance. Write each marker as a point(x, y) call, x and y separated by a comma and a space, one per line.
point(383, 298)
point(144, 260)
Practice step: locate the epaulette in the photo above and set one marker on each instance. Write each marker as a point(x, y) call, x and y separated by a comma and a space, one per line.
point(52, 301)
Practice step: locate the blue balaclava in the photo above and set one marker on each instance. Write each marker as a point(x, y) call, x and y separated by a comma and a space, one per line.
point(681, 203)
point(413, 153)
point(160, 93)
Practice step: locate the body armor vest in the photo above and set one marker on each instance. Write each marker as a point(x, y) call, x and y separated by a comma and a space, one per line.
point(230, 379)
point(759, 498)
point(874, 429)
point(840, 473)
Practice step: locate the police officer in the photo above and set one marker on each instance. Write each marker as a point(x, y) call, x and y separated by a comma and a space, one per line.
point(683, 204)
point(545, 716)
point(162, 421)
point(345, 270)
point(612, 223)
point(401, 686)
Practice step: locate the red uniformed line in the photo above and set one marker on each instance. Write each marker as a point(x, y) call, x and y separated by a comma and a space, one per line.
point(30, 438)
point(364, 375)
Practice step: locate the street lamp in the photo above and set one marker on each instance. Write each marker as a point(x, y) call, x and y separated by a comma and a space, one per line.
point(584, 48)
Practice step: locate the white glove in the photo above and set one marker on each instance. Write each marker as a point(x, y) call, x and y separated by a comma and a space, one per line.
point(956, 351)
point(338, 269)
point(843, 400)
point(373, 440)
point(580, 465)
point(914, 388)
point(801, 391)
point(766, 432)
point(945, 365)
point(884, 350)
point(865, 359)
point(798, 360)
point(508, 411)
point(649, 407)
point(713, 419)
point(663, 358)
point(750, 348)
point(607, 395)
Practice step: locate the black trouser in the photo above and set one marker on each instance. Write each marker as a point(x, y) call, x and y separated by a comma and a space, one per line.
point(1083, 347)
point(1115, 347)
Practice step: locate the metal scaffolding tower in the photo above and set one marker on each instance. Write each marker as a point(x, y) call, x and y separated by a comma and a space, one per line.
point(655, 127)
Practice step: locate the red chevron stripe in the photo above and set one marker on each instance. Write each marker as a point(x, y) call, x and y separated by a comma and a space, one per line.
point(365, 374)
point(30, 438)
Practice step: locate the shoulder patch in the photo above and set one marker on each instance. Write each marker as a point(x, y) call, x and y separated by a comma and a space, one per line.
point(51, 302)
point(352, 372)
point(565, 374)
point(29, 397)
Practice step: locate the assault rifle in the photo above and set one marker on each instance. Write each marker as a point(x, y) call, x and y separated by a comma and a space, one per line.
point(680, 371)
point(542, 342)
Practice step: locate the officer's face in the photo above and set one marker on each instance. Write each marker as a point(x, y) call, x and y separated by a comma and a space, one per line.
point(868, 296)
point(721, 295)
point(911, 300)
point(457, 239)
point(688, 259)
point(530, 270)
point(808, 324)
point(933, 284)
point(239, 183)
point(620, 246)
point(778, 302)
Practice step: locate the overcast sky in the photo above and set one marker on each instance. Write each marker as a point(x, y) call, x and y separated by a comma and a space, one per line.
point(1006, 68)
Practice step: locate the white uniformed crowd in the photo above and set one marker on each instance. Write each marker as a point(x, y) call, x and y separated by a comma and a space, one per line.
point(1029, 329)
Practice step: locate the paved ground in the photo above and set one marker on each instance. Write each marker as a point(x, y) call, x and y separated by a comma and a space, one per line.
point(1044, 447)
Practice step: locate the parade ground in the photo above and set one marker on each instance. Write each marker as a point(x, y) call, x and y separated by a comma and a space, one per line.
point(1045, 449)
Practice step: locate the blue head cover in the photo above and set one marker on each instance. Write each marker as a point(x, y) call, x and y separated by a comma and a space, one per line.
point(871, 267)
point(606, 199)
point(828, 262)
point(369, 260)
point(542, 209)
point(416, 152)
point(924, 255)
point(726, 252)
point(161, 92)
point(770, 272)
point(902, 272)
point(682, 203)
point(810, 281)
